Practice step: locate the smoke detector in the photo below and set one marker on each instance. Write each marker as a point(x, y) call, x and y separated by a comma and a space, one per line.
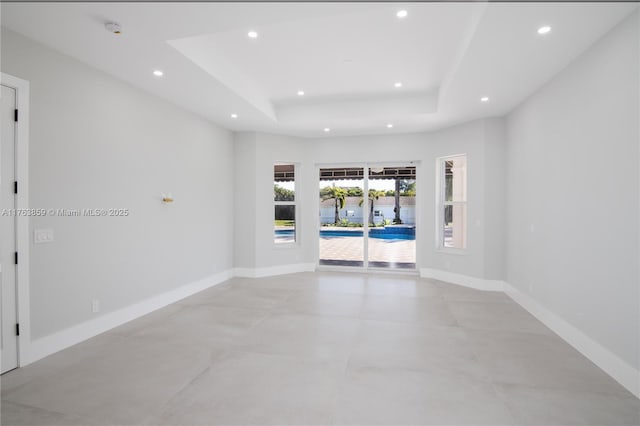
point(113, 27)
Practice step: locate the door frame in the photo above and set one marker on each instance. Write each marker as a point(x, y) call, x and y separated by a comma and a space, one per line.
point(365, 218)
point(22, 222)
point(365, 206)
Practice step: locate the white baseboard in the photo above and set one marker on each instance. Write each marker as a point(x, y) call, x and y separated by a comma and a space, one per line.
point(52, 343)
point(44, 346)
point(610, 363)
point(274, 270)
point(619, 370)
point(464, 280)
point(614, 366)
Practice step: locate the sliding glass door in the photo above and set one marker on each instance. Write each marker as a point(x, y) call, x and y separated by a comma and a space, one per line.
point(368, 216)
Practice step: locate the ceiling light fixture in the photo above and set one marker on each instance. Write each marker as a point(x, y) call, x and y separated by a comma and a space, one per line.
point(389, 126)
point(484, 99)
point(300, 92)
point(398, 84)
point(158, 73)
point(544, 30)
point(402, 14)
point(327, 130)
point(234, 115)
point(252, 34)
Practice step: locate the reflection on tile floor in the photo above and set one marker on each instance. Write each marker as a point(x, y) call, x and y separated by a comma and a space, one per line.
point(322, 348)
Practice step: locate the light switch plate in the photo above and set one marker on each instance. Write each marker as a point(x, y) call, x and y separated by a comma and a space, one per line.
point(41, 236)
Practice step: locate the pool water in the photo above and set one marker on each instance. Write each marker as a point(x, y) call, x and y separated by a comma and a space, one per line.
point(393, 233)
point(386, 233)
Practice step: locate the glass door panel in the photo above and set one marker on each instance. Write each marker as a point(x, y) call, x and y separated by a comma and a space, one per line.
point(392, 217)
point(342, 216)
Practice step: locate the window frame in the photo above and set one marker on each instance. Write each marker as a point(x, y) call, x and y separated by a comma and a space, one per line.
point(294, 203)
point(441, 203)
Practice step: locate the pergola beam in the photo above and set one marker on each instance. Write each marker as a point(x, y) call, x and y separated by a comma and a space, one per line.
point(357, 173)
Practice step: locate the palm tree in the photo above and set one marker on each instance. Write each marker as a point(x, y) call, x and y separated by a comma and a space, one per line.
point(374, 194)
point(334, 193)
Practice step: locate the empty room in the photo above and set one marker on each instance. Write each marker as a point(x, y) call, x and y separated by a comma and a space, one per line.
point(320, 213)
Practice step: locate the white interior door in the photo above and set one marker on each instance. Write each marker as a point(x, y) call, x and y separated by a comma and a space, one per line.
point(9, 341)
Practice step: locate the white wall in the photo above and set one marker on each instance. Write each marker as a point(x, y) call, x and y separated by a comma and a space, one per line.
point(244, 202)
point(96, 142)
point(477, 139)
point(272, 149)
point(494, 198)
point(573, 194)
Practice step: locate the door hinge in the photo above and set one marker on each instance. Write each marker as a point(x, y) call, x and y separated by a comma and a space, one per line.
point(15, 115)
point(17, 329)
point(16, 258)
point(15, 186)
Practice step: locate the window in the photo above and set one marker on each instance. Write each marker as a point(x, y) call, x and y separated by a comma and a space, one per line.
point(452, 202)
point(284, 197)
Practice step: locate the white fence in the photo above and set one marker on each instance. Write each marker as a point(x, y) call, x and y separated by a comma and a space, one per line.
point(382, 209)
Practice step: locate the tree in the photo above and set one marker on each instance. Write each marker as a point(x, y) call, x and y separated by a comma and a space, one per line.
point(407, 188)
point(282, 194)
point(337, 194)
point(354, 191)
point(374, 194)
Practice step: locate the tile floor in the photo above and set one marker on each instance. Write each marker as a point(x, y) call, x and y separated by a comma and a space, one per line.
point(322, 348)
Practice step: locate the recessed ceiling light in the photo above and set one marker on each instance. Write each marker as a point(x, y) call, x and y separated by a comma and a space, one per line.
point(158, 73)
point(484, 99)
point(326, 129)
point(398, 84)
point(544, 30)
point(389, 126)
point(300, 92)
point(402, 14)
point(252, 34)
point(234, 115)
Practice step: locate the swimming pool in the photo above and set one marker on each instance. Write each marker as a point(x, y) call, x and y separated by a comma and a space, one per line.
point(386, 233)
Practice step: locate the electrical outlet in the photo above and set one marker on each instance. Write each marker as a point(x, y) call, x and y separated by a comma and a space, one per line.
point(95, 306)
